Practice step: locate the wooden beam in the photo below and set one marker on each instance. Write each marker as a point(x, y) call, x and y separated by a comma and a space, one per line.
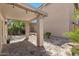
point(19, 5)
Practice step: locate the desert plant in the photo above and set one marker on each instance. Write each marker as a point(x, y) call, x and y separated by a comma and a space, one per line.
point(48, 34)
point(74, 36)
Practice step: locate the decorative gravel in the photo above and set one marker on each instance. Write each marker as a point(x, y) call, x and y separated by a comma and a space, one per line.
point(56, 46)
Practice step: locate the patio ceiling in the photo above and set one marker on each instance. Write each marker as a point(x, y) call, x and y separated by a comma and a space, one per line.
point(19, 11)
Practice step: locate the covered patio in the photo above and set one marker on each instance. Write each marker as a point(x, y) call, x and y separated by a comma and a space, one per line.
point(20, 12)
point(31, 45)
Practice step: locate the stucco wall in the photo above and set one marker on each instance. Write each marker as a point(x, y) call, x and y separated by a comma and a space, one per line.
point(59, 18)
point(33, 27)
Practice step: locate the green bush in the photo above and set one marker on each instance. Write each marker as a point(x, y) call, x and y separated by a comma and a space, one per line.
point(16, 27)
point(48, 34)
point(74, 36)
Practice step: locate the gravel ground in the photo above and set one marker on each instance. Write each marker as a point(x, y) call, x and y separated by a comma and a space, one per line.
point(52, 47)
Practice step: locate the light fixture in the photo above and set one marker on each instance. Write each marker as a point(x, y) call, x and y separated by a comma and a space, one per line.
point(6, 21)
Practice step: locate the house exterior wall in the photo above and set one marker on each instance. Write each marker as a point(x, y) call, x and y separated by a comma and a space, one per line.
point(33, 27)
point(59, 18)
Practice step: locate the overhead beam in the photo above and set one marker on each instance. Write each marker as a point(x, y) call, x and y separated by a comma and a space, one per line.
point(19, 5)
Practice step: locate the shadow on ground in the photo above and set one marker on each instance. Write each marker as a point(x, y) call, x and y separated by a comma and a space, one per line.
point(24, 48)
point(56, 40)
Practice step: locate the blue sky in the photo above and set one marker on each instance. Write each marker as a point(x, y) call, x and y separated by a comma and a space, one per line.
point(36, 5)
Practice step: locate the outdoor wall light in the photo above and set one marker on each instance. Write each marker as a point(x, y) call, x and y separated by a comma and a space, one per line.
point(5, 21)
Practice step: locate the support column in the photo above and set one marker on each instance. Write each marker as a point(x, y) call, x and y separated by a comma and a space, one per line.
point(40, 33)
point(1, 31)
point(27, 30)
point(1, 35)
point(5, 31)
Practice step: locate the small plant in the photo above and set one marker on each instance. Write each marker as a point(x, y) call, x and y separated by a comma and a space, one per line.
point(74, 36)
point(48, 34)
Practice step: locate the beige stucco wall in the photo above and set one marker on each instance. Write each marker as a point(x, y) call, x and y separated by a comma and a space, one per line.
point(59, 18)
point(33, 27)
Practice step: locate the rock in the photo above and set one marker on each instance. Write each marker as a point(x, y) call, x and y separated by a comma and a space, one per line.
point(52, 47)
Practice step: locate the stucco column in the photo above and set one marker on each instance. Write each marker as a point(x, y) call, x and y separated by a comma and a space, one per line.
point(1, 31)
point(1, 35)
point(5, 31)
point(27, 30)
point(40, 33)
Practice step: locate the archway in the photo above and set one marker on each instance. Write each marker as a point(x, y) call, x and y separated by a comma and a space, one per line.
point(20, 12)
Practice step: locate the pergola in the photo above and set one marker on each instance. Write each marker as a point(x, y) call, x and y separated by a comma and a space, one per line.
point(20, 12)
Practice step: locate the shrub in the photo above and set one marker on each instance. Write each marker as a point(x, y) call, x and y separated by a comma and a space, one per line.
point(16, 27)
point(48, 34)
point(74, 36)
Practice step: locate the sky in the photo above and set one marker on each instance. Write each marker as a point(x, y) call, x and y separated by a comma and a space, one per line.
point(36, 5)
